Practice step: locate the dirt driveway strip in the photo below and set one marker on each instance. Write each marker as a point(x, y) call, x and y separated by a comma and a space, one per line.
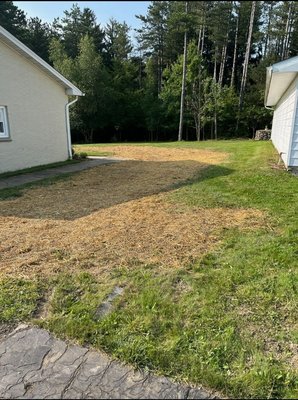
point(114, 215)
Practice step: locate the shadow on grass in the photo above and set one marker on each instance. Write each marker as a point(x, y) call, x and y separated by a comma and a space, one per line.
point(73, 196)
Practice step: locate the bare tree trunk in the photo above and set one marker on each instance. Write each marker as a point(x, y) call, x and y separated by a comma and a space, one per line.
point(235, 53)
point(215, 124)
point(224, 51)
point(161, 62)
point(223, 62)
point(267, 40)
point(289, 37)
point(215, 64)
point(183, 80)
point(203, 40)
point(247, 54)
point(199, 39)
point(286, 40)
point(215, 93)
point(199, 111)
point(159, 73)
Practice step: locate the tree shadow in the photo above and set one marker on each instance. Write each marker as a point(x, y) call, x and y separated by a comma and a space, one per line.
point(81, 194)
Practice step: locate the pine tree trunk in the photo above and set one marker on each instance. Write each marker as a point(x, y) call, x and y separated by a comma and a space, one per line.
point(215, 124)
point(183, 81)
point(199, 113)
point(203, 40)
point(161, 63)
point(287, 55)
point(224, 51)
point(247, 54)
point(222, 63)
point(286, 40)
point(199, 39)
point(267, 40)
point(235, 53)
point(215, 64)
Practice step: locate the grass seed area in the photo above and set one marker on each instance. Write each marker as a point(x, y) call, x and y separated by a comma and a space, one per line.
point(148, 230)
point(203, 242)
point(114, 215)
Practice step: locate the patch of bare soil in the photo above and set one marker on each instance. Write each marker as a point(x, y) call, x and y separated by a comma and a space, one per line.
point(6, 329)
point(110, 216)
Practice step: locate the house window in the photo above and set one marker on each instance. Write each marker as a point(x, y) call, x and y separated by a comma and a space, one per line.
point(4, 132)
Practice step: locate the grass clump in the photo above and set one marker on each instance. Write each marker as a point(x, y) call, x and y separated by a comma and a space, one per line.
point(73, 306)
point(18, 299)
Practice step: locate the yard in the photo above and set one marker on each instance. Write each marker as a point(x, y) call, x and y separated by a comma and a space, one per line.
point(203, 239)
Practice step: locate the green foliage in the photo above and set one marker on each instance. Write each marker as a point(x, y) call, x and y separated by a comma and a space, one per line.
point(74, 26)
point(80, 156)
point(18, 299)
point(87, 72)
point(204, 95)
point(133, 92)
point(117, 40)
point(13, 19)
point(38, 37)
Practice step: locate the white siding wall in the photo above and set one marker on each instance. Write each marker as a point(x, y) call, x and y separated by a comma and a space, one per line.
point(282, 126)
point(294, 144)
point(36, 114)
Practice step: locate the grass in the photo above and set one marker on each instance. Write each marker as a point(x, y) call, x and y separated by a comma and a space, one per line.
point(18, 299)
point(227, 321)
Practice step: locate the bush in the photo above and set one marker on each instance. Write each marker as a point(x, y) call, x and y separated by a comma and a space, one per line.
point(79, 156)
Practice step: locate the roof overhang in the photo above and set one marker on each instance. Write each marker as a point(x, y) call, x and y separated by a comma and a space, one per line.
point(14, 43)
point(279, 77)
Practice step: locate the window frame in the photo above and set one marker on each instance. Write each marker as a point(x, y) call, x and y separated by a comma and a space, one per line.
point(6, 134)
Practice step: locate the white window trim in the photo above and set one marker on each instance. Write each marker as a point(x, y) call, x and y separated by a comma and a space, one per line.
point(5, 135)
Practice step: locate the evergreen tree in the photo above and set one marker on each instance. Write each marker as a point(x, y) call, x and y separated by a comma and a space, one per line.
point(13, 19)
point(118, 44)
point(89, 74)
point(228, 46)
point(152, 35)
point(74, 26)
point(38, 37)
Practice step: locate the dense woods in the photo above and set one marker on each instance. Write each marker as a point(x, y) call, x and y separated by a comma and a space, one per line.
point(195, 71)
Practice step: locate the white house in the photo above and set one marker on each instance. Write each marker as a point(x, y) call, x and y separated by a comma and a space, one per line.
point(34, 108)
point(282, 96)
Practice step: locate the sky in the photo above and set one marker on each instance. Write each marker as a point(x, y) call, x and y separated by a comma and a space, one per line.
point(104, 10)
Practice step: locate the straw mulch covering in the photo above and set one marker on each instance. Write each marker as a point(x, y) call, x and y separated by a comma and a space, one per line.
point(112, 215)
point(147, 153)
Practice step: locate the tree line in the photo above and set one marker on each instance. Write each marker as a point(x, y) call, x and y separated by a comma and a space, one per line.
point(197, 70)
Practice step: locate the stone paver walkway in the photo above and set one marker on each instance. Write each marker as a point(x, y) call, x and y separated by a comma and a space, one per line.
point(35, 365)
point(29, 177)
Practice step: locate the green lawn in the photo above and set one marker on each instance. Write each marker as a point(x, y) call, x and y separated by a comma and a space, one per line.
point(227, 321)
